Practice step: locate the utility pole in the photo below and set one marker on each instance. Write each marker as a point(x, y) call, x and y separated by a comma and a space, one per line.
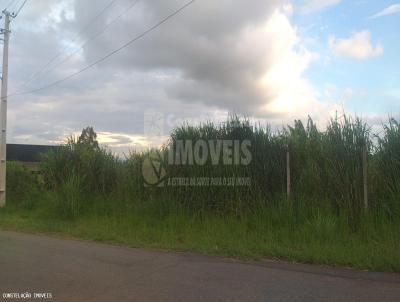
point(288, 185)
point(365, 175)
point(3, 107)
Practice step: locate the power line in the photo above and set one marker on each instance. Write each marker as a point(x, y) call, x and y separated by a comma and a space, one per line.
point(143, 34)
point(85, 28)
point(20, 8)
point(82, 46)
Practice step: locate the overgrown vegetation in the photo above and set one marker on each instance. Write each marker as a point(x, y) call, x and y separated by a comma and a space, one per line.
point(85, 191)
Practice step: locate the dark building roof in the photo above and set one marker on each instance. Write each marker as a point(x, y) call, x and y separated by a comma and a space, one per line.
point(26, 153)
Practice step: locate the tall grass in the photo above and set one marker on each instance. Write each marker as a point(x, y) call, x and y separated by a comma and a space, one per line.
point(326, 166)
point(326, 169)
point(386, 169)
point(86, 191)
point(95, 166)
point(76, 172)
point(23, 188)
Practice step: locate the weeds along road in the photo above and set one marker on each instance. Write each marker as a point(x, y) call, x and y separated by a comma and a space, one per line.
point(80, 271)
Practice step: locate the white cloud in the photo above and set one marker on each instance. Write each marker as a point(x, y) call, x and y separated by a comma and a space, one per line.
point(392, 9)
point(252, 63)
point(312, 6)
point(291, 95)
point(357, 46)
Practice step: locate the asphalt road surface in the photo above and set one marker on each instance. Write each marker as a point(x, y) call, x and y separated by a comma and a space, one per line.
point(68, 270)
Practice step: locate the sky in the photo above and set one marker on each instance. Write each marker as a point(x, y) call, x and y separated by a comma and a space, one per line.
point(271, 61)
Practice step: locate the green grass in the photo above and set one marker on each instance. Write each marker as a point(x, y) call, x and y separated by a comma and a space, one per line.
point(86, 192)
point(269, 232)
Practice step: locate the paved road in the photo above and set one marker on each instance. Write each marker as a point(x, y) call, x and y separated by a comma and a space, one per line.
point(80, 271)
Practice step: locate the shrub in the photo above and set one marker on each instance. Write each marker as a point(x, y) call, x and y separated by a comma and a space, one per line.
point(22, 186)
point(96, 167)
point(326, 168)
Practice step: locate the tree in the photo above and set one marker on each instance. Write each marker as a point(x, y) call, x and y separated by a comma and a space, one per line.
point(88, 138)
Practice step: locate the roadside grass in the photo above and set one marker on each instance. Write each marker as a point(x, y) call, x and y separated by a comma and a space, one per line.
point(86, 192)
point(267, 232)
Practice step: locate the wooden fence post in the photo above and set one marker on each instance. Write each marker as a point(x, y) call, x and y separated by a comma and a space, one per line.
point(365, 176)
point(288, 173)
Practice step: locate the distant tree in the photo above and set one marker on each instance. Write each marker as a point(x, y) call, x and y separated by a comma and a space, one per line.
point(88, 138)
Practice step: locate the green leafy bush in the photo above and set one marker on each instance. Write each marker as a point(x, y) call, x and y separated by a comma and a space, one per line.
point(326, 168)
point(23, 188)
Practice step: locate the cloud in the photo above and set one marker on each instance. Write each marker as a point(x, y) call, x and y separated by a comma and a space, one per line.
point(357, 46)
point(291, 94)
point(390, 10)
point(246, 59)
point(312, 6)
point(218, 65)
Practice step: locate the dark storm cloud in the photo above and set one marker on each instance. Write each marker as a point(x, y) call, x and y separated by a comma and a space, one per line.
point(201, 60)
point(203, 45)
